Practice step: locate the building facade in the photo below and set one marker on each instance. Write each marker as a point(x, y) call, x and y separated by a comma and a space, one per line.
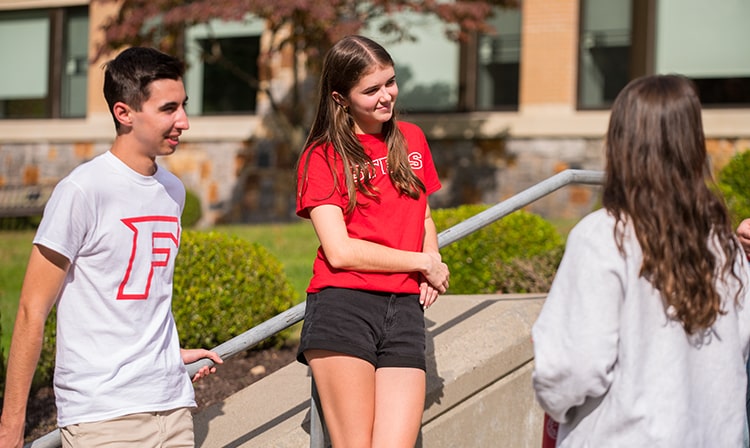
point(501, 112)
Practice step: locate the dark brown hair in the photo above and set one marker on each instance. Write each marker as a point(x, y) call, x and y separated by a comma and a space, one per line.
point(658, 178)
point(344, 65)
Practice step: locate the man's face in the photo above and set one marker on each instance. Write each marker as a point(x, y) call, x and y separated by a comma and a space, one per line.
point(162, 118)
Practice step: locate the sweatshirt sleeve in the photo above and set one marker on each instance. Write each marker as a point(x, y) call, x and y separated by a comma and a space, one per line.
point(576, 335)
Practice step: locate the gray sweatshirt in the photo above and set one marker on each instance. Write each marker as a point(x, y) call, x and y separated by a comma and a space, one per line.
point(616, 371)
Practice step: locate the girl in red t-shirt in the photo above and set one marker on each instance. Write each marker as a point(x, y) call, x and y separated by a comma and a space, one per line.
point(363, 181)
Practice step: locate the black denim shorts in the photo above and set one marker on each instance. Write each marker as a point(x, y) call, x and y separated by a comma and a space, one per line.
point(386, 330)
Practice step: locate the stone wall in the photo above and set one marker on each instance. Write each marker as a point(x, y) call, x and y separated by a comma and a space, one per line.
point(247, 182)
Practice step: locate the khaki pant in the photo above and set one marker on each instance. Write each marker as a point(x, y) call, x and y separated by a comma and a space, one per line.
point(169, 429)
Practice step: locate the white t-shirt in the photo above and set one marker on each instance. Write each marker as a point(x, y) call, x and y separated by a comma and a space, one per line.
point(617, 372)
point(117, 347)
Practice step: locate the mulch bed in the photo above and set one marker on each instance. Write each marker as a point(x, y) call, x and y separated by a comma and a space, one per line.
point(235, 374)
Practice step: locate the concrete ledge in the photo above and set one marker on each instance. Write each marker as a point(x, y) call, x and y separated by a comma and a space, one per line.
point(505, 414)
point(478, 390)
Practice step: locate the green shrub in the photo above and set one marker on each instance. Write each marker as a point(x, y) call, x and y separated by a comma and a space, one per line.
point(46, 366)
point(2, 368)
point(734, 184)
point(223, 286)
point(518, 253)
point(532, 274)
point(193, 211)
point(20, 222)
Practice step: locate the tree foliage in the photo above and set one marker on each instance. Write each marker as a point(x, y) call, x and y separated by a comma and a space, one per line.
point(314, 25)
point(307, 28)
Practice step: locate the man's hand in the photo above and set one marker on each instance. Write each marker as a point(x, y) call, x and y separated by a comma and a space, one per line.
point(11, 437)
point(189, 356)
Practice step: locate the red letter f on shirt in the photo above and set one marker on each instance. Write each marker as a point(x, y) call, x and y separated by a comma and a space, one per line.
point(154, 238)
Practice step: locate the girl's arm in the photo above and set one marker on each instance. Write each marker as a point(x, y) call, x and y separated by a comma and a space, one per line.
point(343, 252)
point(427, 294)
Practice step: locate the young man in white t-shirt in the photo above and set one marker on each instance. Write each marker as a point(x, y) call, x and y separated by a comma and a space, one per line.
point(104, 254)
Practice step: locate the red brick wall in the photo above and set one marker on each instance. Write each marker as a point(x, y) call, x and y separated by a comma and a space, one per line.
point(549, 39)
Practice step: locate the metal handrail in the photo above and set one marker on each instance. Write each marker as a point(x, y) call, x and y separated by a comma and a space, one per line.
point(286, 319)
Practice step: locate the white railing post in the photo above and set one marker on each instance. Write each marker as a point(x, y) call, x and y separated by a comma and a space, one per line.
point(318, 432)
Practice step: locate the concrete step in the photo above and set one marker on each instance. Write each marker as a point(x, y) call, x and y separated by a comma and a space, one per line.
point(478, 393)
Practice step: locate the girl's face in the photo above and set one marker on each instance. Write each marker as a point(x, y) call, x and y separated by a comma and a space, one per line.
point(371, 100)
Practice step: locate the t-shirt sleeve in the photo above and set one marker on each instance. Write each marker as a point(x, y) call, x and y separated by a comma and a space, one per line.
point(420, 156)
point(315, 183)
point(431, 179)
point(65, 221)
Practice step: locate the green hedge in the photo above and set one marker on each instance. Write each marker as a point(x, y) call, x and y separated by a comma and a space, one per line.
point(223, 286)
point(46, 365)
point(519, 253)
point(734, 185)
point(193, 212)
point(20, 222)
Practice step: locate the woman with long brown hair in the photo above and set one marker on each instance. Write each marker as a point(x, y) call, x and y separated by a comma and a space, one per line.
point(363, 180)
point(644, 335)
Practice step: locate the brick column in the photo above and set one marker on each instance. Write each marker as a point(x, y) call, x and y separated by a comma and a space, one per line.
point(99, 12)
point(549, 52)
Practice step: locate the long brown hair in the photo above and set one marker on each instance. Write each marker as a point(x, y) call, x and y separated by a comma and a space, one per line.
point(658, 178)
point(344, 65)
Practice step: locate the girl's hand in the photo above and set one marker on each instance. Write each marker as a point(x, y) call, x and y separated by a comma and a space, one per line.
point(427, 295)
point(436, 273)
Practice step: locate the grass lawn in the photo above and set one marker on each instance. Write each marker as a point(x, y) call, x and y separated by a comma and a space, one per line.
point(16, 246)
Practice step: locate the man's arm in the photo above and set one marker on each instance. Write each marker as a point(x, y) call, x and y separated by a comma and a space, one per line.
point(45, 274)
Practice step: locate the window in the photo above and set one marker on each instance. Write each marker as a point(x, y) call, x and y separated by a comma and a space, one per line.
point(427, 70)
point(706, 41)
point(621, 40)
point(436, 74)
point(44, 75)
point(498, 60)
point(74, 76)
point(226, 85)
point(604, 51)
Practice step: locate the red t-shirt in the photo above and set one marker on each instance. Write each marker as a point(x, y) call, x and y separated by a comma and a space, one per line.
point(393, 219)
